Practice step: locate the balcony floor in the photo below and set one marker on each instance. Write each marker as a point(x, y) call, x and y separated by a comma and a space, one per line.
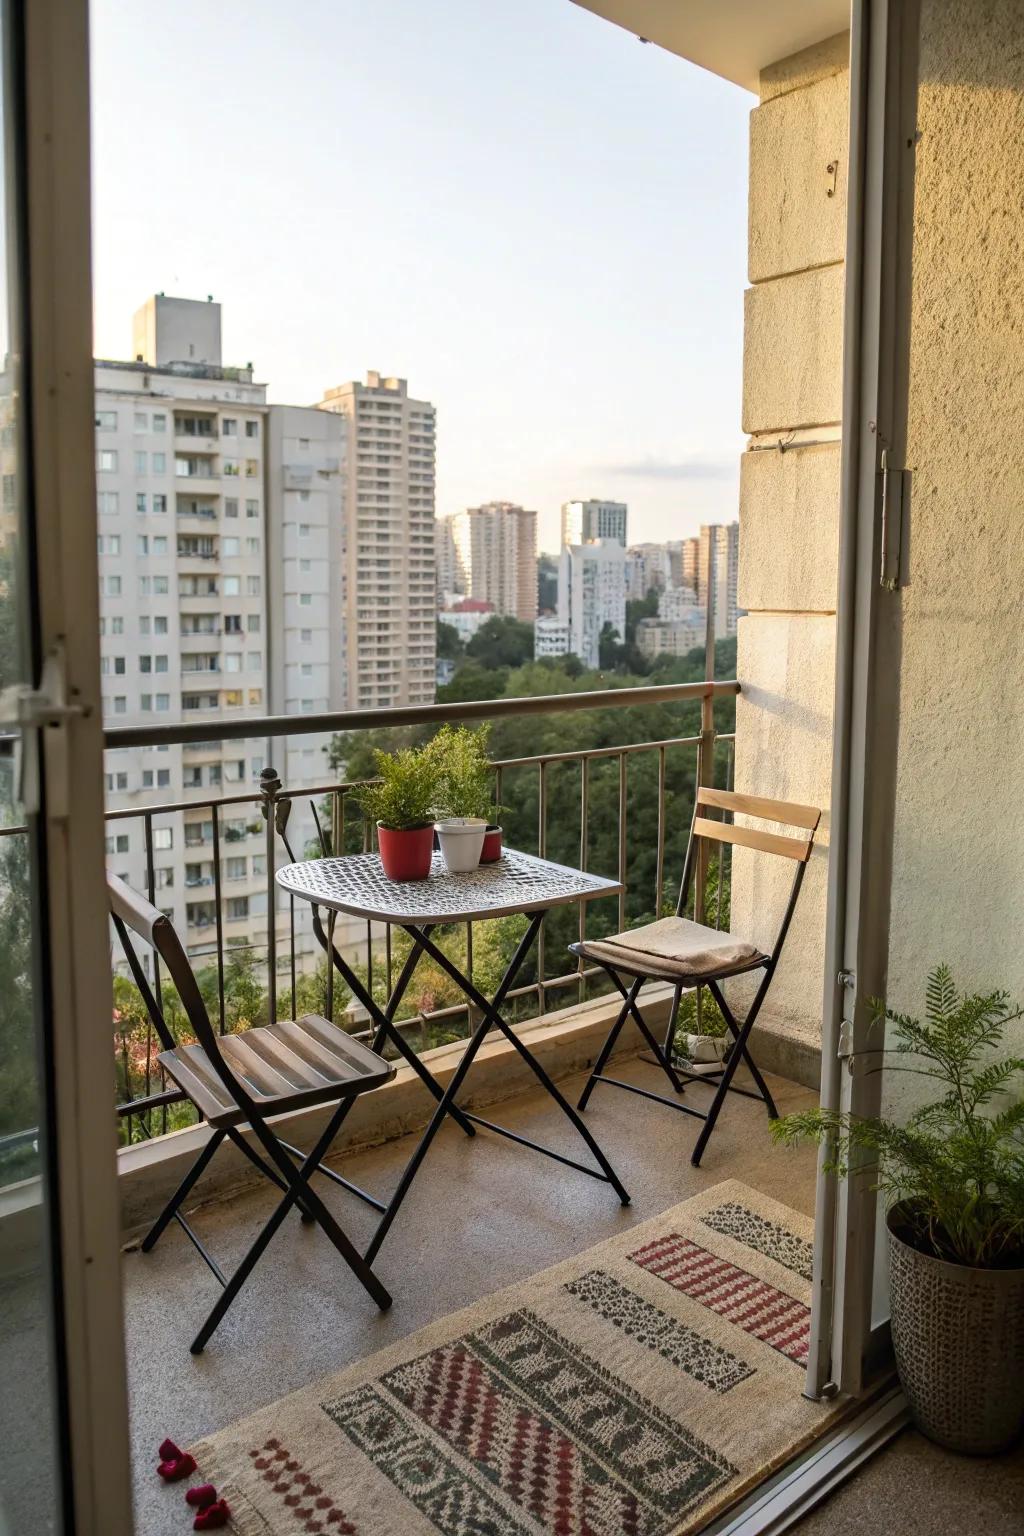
point(480, 1216)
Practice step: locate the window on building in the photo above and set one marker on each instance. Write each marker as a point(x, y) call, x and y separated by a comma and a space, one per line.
point(305, 599)
point(117, 625)
point(231, 506)
point(142, 544)
point(304, 530)
point(306, 636)
point(141, 421)
point(119, 666)
point(252, 429)
point(232, 661)
point(160, 663)
point(255, 695)
point(305, 565)
point(237, 907)
point(106, 421)
point(252, 468)
point(146, 702)
point(144, 623)
point(159, 463)
point(159, 422)
point(229, 427)
point(159, 502)
point(232, 586)
point(253, 624)
point(159, 544)
point(160, 586)
point(236, 868)
point(252, 586)
point(120, 704)
point(252, 546)
point(306, 669)
point(252, 508)
point(118, 843)
point(110, 585)
point(160, 624)
point(232, 624)
point(163, 838)
point(229, 548)
point(163, 702)
point(303, 495)
point(141, 463)
point(140, 501)
point(106, 503)
point(232, 698)
point(106, 460)
point(254, 660)
point(229, 466)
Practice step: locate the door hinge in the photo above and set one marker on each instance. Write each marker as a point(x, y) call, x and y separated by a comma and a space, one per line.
point(890, 574)
point(33, 710)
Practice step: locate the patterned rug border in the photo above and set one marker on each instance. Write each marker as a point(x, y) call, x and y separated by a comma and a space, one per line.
point(785, 1262)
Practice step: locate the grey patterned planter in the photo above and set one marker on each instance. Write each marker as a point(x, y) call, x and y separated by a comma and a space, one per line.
point(958, 1334)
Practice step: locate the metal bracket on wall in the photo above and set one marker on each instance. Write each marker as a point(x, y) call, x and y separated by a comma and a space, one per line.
point(892, 524)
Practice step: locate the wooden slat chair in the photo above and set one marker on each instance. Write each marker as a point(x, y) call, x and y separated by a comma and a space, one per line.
point(242, 1080)
point(692, 955)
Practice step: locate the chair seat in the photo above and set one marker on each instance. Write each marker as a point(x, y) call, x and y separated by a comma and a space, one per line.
point(674, 949)
point(283, 1066)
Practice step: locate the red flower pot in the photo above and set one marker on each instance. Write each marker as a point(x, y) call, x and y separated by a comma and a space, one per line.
point(405, 852)
point(491, 851)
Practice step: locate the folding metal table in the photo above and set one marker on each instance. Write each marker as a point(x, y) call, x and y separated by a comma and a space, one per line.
point(516, 883)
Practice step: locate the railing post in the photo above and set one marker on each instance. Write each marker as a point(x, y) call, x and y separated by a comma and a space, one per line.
point(270, 789)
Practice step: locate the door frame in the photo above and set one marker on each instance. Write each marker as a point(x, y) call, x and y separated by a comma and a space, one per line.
point(846, 1347)
point(76, 987)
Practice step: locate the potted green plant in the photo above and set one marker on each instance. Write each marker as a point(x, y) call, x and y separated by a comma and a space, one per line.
point(465, 797)
point(401, 801)
point(701, 1042)
point(952, 1175)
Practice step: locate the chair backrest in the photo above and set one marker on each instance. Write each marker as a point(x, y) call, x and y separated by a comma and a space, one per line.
point(132, 911)
point(785, 812)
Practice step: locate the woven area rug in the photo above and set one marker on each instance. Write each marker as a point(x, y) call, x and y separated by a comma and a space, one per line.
point(635, 1390)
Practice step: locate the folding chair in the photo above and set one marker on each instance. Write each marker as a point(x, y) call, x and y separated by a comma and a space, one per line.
point(690, 955)
point(242, 1080)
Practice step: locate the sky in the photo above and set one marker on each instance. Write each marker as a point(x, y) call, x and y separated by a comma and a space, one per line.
point(534, 218)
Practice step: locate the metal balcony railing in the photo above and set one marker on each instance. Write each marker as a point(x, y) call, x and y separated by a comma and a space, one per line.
point(619, 770)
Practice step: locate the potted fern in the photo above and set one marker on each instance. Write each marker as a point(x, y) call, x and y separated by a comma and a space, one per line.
point(401, 801)
point(465, 797)
point(952, 1176)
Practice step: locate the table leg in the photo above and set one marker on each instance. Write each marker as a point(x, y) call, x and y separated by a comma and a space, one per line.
point(446, 1104)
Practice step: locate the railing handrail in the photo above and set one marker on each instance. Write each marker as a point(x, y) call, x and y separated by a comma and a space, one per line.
point(181, 734)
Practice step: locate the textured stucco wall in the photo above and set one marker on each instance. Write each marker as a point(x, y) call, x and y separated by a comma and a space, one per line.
point(789, 504)
point(958, 878)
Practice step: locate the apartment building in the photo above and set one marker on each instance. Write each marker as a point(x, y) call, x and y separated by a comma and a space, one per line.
point(647, 569)
point(222, 593)
point(182, 540)
point(496, 556)
point(389, 560)
point(670, 637)
point(583, 522)
point(550, 638)
point(720, 542)
point(676, 603)
point(591, 594)
point(684, 562)
point(450, 576)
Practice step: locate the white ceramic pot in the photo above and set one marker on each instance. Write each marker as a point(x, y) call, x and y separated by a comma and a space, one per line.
point(462, 840)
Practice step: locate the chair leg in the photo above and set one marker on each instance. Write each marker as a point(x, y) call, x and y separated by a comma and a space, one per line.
point(169, 1211)
point(298, 1190)
point(670, 1029)
point(606, 1049)
point(663, 1058)
point(738, 1053)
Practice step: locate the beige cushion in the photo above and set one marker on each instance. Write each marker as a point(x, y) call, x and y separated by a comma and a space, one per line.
point(676, 947)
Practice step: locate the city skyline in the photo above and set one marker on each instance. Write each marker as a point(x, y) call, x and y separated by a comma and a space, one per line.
point(479, 266)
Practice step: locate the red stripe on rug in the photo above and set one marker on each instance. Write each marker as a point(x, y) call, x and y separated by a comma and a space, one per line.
point(743, 1299)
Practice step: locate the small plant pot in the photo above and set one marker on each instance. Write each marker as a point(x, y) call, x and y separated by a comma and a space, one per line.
point(461, 839)
point(490, 853)
point(405, 852)
point(958, 1337)
point(704, 1049)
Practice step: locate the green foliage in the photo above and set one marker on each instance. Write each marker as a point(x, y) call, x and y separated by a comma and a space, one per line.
point(449, 642)
point(404, 791)
point(640, 608)
point(501, 642)
point(957, 1165)
point(465, 780)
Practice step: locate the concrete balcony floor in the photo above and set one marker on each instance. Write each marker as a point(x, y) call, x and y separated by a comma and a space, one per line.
point(481, 1215)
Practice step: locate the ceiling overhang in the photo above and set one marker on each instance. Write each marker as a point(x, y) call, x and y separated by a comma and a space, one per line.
point(732, 38)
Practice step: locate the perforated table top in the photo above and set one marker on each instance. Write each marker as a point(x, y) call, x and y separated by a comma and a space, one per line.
point(517, 882)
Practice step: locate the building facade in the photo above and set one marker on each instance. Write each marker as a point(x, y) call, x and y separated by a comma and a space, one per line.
point(583, 522)
point(390, 572)
point(648, 569)
point(496, 557)
point(720, 542)
point(591, 595)
point(450, 575)
point(670, 637)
